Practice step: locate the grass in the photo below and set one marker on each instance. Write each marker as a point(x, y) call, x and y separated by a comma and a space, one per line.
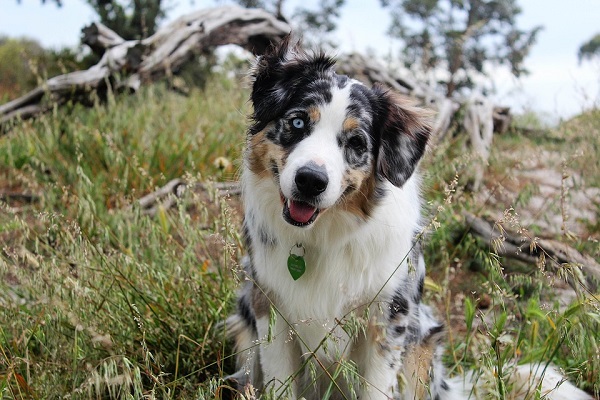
point(99, 300)
point(502, 311)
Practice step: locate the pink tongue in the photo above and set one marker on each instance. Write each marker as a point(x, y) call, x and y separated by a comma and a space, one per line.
point(300, 211)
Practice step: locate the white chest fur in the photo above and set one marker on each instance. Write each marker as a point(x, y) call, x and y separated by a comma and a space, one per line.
point(349, 261)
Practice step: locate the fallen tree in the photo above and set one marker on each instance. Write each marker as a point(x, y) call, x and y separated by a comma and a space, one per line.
point(127, 64)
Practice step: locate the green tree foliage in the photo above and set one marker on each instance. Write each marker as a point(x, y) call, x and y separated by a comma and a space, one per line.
point(59, 3)
point(18, 57)
point(460, 36)
point(314, 24)
point(273, 6)
point(133, 19)
point(590, 49)
point(317, 24)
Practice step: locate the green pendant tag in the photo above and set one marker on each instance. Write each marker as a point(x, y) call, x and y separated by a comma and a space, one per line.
point(296, 263)
point(296, 266)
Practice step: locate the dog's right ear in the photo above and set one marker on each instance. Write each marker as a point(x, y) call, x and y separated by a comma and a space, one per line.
point(277, 75)
point(267, 75)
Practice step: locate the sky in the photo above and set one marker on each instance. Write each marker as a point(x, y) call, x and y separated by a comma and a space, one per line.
point(557, 87)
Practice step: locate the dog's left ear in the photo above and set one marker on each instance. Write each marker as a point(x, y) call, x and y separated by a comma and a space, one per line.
point(404, 132)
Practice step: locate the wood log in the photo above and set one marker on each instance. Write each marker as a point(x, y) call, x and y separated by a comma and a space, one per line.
point(8, 196)
point(125, 65)
point(558, 256)
point(370, 71)
point(168, 195)
point(446, 109)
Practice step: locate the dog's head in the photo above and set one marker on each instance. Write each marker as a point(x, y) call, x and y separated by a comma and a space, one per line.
point(327, 140)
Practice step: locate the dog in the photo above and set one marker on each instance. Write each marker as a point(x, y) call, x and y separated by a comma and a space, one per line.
point(331, 304)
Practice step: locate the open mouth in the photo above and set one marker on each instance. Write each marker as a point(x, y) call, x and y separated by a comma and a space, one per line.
point(299, 213)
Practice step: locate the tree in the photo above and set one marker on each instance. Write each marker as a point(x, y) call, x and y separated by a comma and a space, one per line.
point(275, 7)
point(589, 49)
point(315, 25)
point(18, 57)
point(59, 3)
point(460, 36)
point(134, 19)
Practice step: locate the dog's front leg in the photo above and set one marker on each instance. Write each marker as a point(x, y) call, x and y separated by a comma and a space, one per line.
point(379, 378)
point(373, 355)
point(278, 356)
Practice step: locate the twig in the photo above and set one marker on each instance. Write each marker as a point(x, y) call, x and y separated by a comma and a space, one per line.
point(18, 196)
point(168, 195)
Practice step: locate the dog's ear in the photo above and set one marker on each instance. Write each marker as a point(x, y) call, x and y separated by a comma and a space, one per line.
point(277, 75)
point(404, 130)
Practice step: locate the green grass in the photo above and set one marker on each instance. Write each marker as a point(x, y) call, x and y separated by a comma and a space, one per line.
point(524, 321)
point(98, 300)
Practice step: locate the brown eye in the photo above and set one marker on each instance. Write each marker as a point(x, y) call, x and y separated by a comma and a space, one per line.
point(357, 143)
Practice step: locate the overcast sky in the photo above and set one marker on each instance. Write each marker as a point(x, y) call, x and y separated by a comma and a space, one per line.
point(558, 86)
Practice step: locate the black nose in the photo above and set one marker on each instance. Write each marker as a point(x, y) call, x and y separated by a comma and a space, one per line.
point(311, 180)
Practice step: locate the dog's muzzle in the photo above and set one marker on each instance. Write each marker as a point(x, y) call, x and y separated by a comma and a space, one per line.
point(310, 181)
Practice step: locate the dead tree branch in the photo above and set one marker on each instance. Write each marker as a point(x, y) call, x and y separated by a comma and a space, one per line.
point(125, 65)
point(168, 195)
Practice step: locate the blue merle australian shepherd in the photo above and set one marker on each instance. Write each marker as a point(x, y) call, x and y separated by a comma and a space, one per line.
point(331, 305)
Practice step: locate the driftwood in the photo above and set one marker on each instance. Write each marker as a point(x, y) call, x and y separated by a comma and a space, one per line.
point(479, 124)
point(446, 108)
point(99, 38)
point(19, 197)
point(370, 71)
point(168, 195)
point(125, 65)
point(556, 256)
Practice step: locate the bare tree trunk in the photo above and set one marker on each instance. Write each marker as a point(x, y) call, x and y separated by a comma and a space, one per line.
point(479, 123)
point(446, 108)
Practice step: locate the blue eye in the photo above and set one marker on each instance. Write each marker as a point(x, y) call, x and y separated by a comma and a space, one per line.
point(298, 123)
